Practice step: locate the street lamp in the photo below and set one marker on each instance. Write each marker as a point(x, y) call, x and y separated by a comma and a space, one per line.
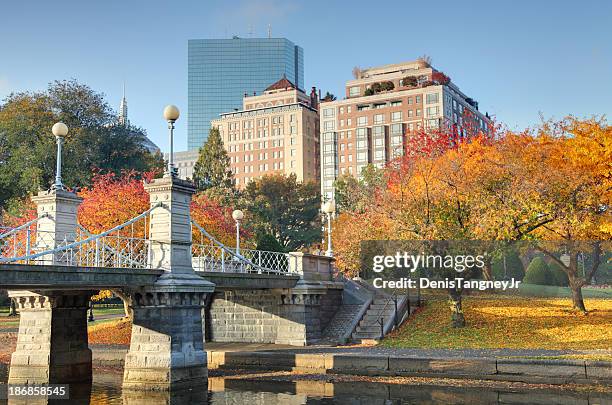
point(171, 114)
point(237, 215)
point(329, 207)
point(60, 130)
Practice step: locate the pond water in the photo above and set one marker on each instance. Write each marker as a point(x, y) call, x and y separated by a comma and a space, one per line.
point(106, 389)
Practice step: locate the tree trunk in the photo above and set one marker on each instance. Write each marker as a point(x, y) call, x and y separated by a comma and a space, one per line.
point(126, 304)
point(12, 308)
point(457, 318)
point(577, 300)
point(487, 272)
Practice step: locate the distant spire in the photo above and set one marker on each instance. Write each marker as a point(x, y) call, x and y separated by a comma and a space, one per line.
point(269, 30)
point(123, 110)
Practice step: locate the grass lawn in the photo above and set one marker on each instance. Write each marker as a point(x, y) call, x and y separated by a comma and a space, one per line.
point(508, 322)
point(112, 331)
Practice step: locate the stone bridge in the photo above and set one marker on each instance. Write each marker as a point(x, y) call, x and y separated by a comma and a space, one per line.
point(173, 307)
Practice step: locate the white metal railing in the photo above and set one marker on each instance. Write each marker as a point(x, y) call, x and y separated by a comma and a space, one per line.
point(211, 255)
point(121, 246)
point(127, 246)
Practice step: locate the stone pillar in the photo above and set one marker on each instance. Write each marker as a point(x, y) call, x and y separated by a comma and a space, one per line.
point(58, 224)
point(311, 267)
point(52, 341)
point(167, 346)
point(52, 345)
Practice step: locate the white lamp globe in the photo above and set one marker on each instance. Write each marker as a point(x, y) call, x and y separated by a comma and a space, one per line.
point(59, 129)
point(237, 215)
point(171, 113)
point(329, 207)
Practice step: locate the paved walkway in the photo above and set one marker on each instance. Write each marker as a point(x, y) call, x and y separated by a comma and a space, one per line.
point(377, 350)
point(382, 351)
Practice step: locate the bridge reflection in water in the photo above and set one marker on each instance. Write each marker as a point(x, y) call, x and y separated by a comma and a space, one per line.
point(106, 389)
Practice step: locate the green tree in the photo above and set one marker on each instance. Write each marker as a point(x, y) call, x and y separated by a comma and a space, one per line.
point(558, 276)
point(284, 208)
point(538, 272)
point(94, 143)
point(354, 194)
point(212, 170)
point(328, 97)
point(508, 265)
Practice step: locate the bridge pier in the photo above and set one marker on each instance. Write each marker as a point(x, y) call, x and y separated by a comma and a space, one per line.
point(52, 342)
point(167, 346)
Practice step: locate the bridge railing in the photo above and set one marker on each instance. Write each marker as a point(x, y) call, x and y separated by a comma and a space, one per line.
point(127, 246)
point(123, 246)
point(212, 255)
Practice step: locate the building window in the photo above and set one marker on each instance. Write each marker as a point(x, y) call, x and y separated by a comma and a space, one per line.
point(410, 113)
point(432, 98)
point(361, 145)
point(349, 122)
point(354, 91)
point(418, 112)
point(379, 155)
point(432, 111)
point(361, 121)
point(396, 103)
point(379, 118)
point(396, 116)
point(379, 131)
point(328, 112)
point(362, 156)
point(361, 132)
point(379, 142)
point(396, 129)
point(348, 109)
point(329, 125)
point(409, 100)
point(418, 99)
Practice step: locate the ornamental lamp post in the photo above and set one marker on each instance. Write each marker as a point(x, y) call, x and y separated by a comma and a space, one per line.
point(328, 208)
point(59, 130)
point(237, 215)
point(171, 114)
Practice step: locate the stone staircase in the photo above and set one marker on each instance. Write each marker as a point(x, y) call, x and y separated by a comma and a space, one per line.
point(340, 323)
point(382, 306)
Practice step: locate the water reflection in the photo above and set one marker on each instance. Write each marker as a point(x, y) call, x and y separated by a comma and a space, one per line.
point(106, 389)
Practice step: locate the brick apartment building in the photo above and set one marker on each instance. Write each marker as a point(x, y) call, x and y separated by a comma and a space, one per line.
point(382, 106)
point(276, 132)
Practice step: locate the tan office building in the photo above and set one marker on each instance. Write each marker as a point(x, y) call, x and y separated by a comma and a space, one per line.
point(383, 105)
point(276, 132)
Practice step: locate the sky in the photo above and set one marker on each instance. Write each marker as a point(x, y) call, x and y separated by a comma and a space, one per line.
point(520, 60)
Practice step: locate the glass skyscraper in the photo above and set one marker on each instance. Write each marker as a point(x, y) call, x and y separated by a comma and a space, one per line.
point(222, 70)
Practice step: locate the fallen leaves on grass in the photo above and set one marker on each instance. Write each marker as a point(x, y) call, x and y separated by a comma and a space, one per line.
point(517, 323)
point(112, 332)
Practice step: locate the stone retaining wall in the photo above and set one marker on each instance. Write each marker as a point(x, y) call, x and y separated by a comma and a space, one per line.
point(270, 316)
point(523, 370)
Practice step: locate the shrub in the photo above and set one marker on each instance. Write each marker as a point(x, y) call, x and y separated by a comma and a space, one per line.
point(514, 266)
point(410, 81)
point(386, 86)
point(538, 272)
point(269, 243)
point(558, 276)
point(368, 92)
